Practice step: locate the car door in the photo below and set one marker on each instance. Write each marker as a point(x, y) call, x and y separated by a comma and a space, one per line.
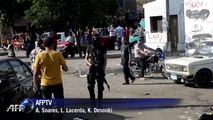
point(8, 83)
point(24, 77)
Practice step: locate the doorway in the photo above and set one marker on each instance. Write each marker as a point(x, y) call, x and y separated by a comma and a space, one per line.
point(173, 25)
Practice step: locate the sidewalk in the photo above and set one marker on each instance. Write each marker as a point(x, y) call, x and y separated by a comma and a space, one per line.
point(117, 54)
point(112, 53)
point(3, 52)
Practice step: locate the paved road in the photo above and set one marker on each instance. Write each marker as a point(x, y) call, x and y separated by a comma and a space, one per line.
point(193, 101)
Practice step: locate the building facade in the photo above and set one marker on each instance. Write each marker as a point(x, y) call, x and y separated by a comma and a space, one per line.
point(163, 30)
point(198, 20)
point(184, 22)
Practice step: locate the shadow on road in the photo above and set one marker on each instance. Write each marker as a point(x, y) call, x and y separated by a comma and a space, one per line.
point(154, 83)
point(71, 116)
point(22, 57)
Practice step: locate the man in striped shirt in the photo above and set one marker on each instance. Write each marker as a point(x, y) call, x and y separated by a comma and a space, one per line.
point(39, 48)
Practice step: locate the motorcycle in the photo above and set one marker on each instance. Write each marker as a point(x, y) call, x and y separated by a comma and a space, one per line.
point(155, 65)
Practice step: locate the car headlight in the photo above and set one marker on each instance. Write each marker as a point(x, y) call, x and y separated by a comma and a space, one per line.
point(168, 67)
point(176, 67)
point(184, 68)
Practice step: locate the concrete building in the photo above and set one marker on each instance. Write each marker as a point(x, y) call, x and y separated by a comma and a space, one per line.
point(156, 25)
point(198, 20)
point(189, 21)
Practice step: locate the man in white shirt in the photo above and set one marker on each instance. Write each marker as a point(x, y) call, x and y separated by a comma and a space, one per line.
point(71, 47)
point(141, 56)
point(112, 36)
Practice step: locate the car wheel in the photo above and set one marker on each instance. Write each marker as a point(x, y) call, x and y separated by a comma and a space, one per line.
point(203, 79)
point(178, 81)
point(163, 71)
point(65, 54)
point(16, 48)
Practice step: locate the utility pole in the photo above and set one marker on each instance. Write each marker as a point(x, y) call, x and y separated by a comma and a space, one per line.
point(168, 27)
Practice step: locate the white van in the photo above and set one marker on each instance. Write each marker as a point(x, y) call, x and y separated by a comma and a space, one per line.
point(60, 36)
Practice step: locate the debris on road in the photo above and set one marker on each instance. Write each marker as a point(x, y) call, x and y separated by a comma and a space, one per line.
point(147, 93)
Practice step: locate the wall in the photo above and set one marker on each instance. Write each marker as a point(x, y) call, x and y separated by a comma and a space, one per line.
point(158, 8)
point(177, 8)
point(198, 20)
point(155, 8)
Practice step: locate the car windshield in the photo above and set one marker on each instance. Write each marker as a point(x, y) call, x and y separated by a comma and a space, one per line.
point(205, 49)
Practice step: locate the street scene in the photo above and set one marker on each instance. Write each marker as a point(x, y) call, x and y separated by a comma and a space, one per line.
point(193, 101)
point(106, 60)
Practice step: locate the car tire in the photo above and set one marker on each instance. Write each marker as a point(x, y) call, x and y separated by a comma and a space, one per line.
point(203, 79)
point(163, 71)
point(178, 81)
point(65, 54)
point(16, 48)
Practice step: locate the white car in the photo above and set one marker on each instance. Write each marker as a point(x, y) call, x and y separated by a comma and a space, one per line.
point(196, 69)
point(190, 48)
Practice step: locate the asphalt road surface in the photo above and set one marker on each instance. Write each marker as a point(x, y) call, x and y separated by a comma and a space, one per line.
point(191, 102)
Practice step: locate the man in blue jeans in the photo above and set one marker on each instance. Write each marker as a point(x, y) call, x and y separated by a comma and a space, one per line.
point(120, 33)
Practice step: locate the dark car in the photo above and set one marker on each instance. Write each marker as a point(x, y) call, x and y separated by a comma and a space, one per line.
point(16, 82)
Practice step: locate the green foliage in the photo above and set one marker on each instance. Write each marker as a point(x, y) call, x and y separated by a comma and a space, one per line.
point(10, 10)
point(57, 14)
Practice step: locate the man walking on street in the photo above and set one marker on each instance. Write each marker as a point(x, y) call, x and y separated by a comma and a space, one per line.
point(120, 33)
point(48, 63)
point(97, 60)
point(39, 48)
point(126, 56)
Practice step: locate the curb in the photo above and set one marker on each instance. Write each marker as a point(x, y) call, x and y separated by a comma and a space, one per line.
point(2, 53)
point(117, 55)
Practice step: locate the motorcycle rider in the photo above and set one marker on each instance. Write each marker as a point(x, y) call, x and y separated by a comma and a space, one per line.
point(141, 56)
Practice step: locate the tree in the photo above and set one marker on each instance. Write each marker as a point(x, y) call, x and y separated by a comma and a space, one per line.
point(10, 10)
point(48, 14)
point(57, 15)
point(111, 8)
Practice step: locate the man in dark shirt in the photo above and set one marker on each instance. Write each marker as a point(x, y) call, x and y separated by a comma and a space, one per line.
point(126, 55)
point(96, 59)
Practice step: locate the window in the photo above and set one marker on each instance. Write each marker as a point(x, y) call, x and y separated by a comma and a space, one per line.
point(18, 68)
point(5, 68)
point(6, 75)
point(156, 24)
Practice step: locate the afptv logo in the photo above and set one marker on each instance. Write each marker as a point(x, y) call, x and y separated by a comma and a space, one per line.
point(26, 106)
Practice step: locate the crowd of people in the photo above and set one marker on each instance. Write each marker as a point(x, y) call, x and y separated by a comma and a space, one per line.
point(46, 61)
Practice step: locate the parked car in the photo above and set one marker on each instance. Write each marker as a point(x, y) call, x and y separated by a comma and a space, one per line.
point(18, 42)
point(190, 48)
point(62, 44)
point(196, 69)
point(60, 36)
point(63, 48)
point(16, 82)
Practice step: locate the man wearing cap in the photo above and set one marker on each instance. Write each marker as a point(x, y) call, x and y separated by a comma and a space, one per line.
point(97, 60)
point(141, 55)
